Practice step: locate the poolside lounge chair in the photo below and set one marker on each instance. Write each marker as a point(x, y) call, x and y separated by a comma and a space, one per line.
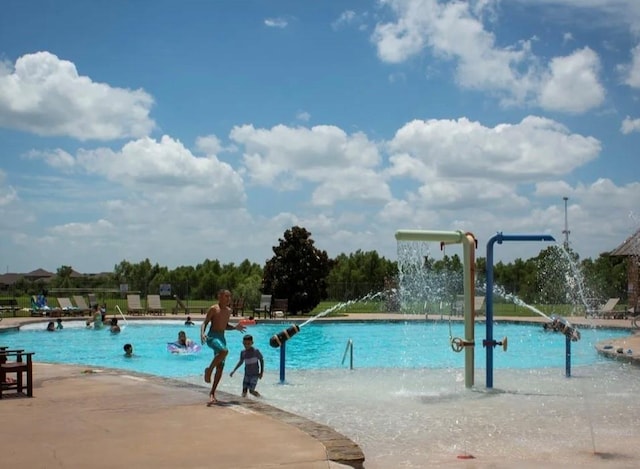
point(81, 304)
point(280, 308)
point(93, 299)
point(134, 306)
point(237, 308)
point(187, 309)
point(66, 306)
point(607, 310)
point(265, 306)
point(154, 305)
point(36, 308)
point(478, 305)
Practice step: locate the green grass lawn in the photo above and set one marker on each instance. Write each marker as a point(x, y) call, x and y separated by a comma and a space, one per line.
point(499, 309)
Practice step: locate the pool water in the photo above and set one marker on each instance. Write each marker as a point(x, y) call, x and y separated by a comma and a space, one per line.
point(318, 345)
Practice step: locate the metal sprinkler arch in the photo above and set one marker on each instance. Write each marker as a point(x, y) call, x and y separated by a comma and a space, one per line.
point(489, 342)
point(468, 242)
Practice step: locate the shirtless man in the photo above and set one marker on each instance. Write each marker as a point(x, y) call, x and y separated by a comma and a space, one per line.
point(218, 315)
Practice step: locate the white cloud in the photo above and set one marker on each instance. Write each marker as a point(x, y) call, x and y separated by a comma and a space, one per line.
point(572, 84)
point(99, 228)
point(303, 116)
point(346, 17)
point(7, 193)
point(47, 96)
point(209, 145)
point(165, 170)
point(286, 156)
point(455, 31)
point(631, 72)
point(351, 19)
point(553, 189)
point(276, 22)
point(57, 158)
point(532, 149)
point(610, 13)
point(630, 125)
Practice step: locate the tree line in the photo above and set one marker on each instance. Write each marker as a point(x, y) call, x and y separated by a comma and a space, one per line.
point(305, 275)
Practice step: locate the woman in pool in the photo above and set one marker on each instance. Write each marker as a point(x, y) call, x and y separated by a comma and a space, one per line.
point(97, 318)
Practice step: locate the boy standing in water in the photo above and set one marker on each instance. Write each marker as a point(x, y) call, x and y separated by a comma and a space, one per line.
point(218, 315)
point(253, 366)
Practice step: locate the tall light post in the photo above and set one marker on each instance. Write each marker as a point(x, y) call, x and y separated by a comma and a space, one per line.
point(566, 231)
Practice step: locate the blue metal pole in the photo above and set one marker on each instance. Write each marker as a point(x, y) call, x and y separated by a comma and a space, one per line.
point(489, 313)
point(282, 361)
point(489, 342)
point(568, 357)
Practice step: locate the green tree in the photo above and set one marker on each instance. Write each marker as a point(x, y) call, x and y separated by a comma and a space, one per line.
point(358, 274)
point(63, 277)
point(298, 271)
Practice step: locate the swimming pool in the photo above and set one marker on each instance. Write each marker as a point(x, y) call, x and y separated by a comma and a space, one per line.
point(405, 403)
point(319, 345)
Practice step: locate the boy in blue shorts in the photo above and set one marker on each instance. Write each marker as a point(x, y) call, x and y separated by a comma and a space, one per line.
point(253, 366)
point(218, 316)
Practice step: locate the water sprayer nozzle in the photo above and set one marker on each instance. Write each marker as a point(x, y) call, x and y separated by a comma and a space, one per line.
point(281, 337)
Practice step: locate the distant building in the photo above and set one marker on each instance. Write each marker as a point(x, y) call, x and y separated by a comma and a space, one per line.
point(40, 275)
point(630, 248)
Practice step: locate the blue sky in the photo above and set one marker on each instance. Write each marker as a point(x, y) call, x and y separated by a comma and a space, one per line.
point(180, 131)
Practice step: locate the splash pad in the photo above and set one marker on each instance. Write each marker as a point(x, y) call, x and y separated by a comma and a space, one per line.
point(416, 418)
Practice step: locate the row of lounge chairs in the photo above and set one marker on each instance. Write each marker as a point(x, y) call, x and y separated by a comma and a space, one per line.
point(65, 307)
point(153, 305)
point(81, 307)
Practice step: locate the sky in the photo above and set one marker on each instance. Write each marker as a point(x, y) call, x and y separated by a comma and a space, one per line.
point(181, 131)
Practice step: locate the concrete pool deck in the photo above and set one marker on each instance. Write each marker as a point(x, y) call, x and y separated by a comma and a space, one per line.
point(81, 417)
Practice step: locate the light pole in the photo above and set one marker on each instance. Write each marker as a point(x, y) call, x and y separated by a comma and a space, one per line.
point(566, 231)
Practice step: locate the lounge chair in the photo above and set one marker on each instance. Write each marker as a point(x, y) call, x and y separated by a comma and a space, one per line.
point(237, 308)
point(280, 308)
point(37, 309)
point(187, 309)
point(606, 311)
point(66, 306)
point(154, 305)
point(265, 306)
point(478, 305)
point(93, 299)
point(134, 306)
point(81, 304)
point(457, 306)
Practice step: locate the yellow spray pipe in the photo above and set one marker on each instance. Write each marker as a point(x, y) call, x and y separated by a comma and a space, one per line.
point(468, 242)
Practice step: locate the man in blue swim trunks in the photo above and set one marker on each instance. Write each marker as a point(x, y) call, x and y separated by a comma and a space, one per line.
point(218, 315)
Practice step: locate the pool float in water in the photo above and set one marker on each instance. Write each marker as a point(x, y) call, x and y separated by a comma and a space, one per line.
point(175, 347)
point(247, 322)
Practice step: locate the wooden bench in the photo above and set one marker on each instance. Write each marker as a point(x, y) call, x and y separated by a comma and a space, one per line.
point(23, 371)
point(9, 305)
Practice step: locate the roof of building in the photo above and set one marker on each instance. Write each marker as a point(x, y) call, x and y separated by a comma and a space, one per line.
point(629, 247)
point(39, 273)
point(10, 278)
